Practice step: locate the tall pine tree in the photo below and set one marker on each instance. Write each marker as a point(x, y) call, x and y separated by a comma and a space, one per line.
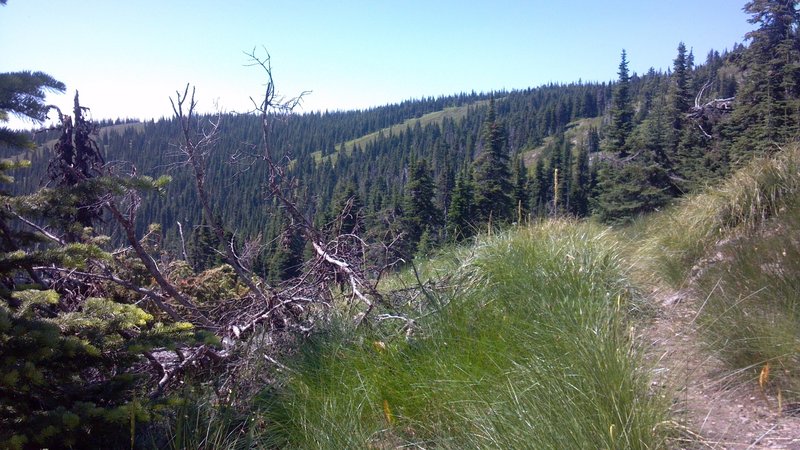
point(420, 214)
point(460, 222)
point(522, 193)
point(492, 176)
point(621, 112)
point(767, 107)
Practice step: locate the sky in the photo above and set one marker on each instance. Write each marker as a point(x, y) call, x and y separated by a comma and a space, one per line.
point(127, 58)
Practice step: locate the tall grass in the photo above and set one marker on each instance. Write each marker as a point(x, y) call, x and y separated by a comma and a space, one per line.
point(742, 239)
point(751, 317)
point(197, 419)
point(677, 238)
point(531, 351)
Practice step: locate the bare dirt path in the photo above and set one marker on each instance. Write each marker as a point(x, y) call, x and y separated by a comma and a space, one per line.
point(714, 408)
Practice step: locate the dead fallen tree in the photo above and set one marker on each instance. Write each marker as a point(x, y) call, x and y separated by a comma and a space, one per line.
point(710, 112)
point(251, 308)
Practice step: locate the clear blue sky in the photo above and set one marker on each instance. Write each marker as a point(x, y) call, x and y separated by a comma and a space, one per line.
point(128, 57)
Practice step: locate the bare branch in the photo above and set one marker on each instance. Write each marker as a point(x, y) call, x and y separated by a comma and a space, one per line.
point(195, 152)
point(36, 227)
point(150, 264)
point(183, 242)
point(157, 298)
point(711, 111)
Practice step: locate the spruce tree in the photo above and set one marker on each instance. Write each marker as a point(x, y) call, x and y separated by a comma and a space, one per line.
point(203, 248)
point(621, 112)
point(766, 108)
point(22, 94)
point(541, 190)
point(680, 87)
point(71, 346)
point(635, 188)
point(492, 176)
point(460, 224)
point(346, 212)
point(419, 211)
point(581, 184)
point(287, 258)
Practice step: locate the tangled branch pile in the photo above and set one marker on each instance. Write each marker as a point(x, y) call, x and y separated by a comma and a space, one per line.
point(92, 337)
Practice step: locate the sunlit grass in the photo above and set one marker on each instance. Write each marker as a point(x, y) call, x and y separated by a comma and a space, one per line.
point(532, 348)
point(751, 317)
point(675, 240)
point(737, 246)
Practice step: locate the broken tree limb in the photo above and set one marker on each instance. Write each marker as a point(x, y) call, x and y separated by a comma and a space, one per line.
point(347, 270)
point(709, 112)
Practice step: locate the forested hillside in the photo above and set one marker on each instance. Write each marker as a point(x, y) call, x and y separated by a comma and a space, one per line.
point(554, 141)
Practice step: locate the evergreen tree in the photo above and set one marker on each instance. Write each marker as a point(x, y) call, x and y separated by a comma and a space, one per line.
point(287, 258)
point(70, 346)
point(766, 110)
point(694, 164)
point(419, 212)
point(621, 112)
point(460, 223)
point(541, 186)
point(592, 140)
point(346, 212)
point(564, 174)
point(680, 87)
point(445, 183)
point(522, 195)
point(203, 247)
point(22, 94)
point(492, 177)
point(636, 188)
point(581, 184)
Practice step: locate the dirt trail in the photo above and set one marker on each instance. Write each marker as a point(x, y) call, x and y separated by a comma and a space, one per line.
point(714, 408)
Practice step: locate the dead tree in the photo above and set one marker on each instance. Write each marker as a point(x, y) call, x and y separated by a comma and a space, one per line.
point(710, 112)
point(345, 265)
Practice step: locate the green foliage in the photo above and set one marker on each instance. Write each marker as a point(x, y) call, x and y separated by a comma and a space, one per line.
point(420, 214)
point(737, 245)
point(200, 420)
point(346, 211)
point(22, 94)
point(751, 317)
point(679, 237)
point(287, 259)
point(203, 247)
point(766, 110)
point(71, 359)
point(630, 190)
point(47, 396)
point(492, 175)
point(621, 112)
point(531, 347)
point(680, 88)
point(522, 194)
point(460, 215)
point(581, 186)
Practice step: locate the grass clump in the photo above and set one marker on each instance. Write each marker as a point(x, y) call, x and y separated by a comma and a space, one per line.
point(751, 316)
point(531, 349)
point(736, 246)
point(678, 238)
